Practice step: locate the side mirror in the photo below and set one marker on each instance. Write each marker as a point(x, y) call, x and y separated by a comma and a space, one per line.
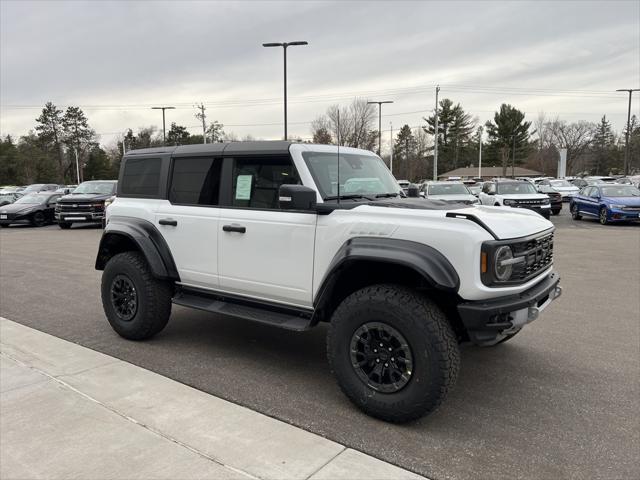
point(413, 191)
point(296, 197)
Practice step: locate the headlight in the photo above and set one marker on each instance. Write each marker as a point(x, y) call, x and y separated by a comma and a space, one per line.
point(509, 202)
point(503, 263)
point(617, 206)
point(545, 201)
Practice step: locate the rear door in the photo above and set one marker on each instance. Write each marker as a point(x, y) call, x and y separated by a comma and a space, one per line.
point(265, 252)
point(188, 219)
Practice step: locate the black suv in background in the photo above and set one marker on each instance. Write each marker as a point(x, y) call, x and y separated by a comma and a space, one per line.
point(86, 204)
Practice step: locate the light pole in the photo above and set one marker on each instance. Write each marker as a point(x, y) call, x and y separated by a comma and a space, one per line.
point(435, 145)
point(284, 46)
point(164, 135)
point(626, 140)
point(480, 130)
point(380, 122)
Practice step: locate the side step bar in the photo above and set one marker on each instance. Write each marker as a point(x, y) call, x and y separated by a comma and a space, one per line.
point(289, 321)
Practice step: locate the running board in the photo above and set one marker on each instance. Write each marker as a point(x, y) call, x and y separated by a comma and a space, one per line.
point(289, 321)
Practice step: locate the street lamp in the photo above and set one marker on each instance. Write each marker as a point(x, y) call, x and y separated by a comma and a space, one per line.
point(626, 141)
point(164, 137)
point(380, 122)
point(284, 46)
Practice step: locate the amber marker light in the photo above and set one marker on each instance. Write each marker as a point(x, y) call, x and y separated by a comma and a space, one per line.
point(483, 262)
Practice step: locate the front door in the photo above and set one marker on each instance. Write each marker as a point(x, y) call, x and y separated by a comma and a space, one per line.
point(189, 219)
point(265, 253)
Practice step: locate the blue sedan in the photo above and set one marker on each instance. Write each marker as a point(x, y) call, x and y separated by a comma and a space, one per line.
point(607, 203)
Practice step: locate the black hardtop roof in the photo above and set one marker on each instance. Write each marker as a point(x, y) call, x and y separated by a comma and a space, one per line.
point(100, 181)
point(237, 148)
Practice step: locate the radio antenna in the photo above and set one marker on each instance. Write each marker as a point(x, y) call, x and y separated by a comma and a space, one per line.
point(338, 137)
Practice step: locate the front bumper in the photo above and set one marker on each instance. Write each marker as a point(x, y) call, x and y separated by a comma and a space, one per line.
point(79, 217)
point(620, 215)
point(488, 322)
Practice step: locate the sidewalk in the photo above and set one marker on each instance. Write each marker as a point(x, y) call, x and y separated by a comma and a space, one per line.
point(69, 412)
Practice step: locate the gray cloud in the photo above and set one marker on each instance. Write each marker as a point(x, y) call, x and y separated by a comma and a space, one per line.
point(131, 54)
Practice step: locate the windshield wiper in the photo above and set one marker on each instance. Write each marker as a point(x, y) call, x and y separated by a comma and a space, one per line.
point(348, 197)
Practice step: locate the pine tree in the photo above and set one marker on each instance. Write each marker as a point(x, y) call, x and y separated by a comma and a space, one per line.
point(404, 153)
point(603, 143)
point(78, 136)
point(50, 133)
point(177, 135)
point(507, 122)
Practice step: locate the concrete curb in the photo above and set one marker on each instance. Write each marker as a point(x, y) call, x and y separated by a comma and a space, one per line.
point(68, 411)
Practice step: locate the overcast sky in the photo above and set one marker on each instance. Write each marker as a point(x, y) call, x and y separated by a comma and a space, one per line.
point(117, 58)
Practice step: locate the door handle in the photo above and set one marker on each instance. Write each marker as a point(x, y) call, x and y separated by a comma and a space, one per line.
point(234, 228)
point(168, 221)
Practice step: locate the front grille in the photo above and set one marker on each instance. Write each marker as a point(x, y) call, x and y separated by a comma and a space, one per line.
point(530, 203)
point(631, 209)
point(76, 208)
point(538, 256)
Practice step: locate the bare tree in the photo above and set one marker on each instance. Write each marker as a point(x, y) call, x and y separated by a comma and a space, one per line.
point(576, 137)
point(355, 120)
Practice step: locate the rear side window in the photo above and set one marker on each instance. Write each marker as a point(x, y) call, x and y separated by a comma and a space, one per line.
point(141, 176)
point(195, 181)
point(257, 181)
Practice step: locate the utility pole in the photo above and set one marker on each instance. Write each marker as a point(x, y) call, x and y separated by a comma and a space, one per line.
point(379, 122)
point(391, 158)
point(626, 141)
point(202, 116)
point(164, 127)
point(77, 165)
point(513, 161)
point(284, 46)
point(479, 152)
point(435, 144)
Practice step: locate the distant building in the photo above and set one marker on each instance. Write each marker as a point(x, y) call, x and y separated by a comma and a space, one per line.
point(488, 173)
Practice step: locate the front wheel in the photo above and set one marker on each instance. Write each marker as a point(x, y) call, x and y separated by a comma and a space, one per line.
point(393, 352)
point(38, 219)
point(137, 304)
point(555, 211)
point(575, 212)
point(64, 226)
point(603, 217)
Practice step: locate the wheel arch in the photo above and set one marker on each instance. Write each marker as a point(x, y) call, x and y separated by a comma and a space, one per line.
point(364, 261)
point(124, 234)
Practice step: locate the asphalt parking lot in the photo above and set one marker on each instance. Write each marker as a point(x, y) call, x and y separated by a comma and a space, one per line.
point(559, 400)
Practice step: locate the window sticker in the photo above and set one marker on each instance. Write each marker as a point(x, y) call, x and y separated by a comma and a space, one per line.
point(243, 187)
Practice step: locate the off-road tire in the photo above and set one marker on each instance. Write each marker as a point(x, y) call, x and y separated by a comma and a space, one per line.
point(38, 219)
point(555, 211)
point(575, 212)
point(153, 297)
point(64, 226)
point(602, 217)
point(4, 225)
point(436, 357)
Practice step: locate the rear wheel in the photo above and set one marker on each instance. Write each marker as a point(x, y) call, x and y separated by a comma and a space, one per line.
point(393, 352)
point(64, 226)
point(137, 304)
point(575, 212)
point(555, 211)
point(38, 219)
point(603, 217)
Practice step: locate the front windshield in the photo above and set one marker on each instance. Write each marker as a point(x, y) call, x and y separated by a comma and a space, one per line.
point(515, 188)
point(620, 191)
point(448, 189)
point(33, 198)
point(6, 197)
point(102, 188)
point(361, 175)
point(560, 183)
point(34, 187)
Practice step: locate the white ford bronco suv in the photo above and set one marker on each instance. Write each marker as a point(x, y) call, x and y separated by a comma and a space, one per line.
point(515, 194)
point(293, 235)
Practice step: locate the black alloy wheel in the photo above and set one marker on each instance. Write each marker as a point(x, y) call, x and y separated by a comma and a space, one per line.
point(124, 297)
point(381, 357)
point(38, 219)
point(575, 213)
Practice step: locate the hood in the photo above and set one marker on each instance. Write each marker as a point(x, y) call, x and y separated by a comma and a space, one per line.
point(84, 197)
point(504, 222)
point(460, 197)
point(18, 208)
point(566, 189)
point(626, 201)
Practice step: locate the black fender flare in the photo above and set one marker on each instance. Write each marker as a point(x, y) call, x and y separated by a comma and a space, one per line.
point(428, 262)
point(148, 240)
